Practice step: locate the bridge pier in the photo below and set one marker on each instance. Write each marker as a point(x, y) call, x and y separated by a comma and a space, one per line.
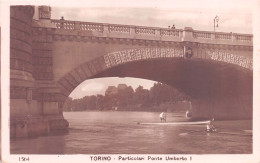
point(35, 102)
point(34, 120)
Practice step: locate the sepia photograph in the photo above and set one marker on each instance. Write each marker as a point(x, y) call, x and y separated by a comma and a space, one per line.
point(120, 81)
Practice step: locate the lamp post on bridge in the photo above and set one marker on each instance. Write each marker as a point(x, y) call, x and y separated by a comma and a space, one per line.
point(216, 19)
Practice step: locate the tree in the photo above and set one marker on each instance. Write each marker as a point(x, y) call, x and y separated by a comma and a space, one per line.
point(125, 96)
point(160, 93)
point(111, 97)
point(141, 96)
point(100, 102)
point(89, 102)
point(67, 104)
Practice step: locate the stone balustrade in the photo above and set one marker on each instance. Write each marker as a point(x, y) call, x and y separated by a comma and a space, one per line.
point(90, 26)
point(154, 33)
point(144, 30)
point(170, 32)
point(119, 28)
point(223, 36)
point(204, 35)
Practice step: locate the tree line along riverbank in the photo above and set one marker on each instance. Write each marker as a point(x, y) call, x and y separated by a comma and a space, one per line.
point(160, 97)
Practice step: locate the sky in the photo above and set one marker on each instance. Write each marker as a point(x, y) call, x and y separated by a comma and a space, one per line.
point(234, 16)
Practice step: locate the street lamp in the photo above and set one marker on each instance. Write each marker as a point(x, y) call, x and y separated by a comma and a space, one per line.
point(216, 19)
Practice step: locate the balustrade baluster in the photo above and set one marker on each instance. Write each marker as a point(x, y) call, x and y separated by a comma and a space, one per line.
point(106, 29)
point(77, 26)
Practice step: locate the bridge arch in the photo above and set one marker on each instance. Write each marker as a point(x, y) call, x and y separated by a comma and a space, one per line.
point(91, 68)
point(209, 79)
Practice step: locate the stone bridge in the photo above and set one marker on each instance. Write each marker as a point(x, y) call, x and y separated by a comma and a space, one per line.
point(49, 58)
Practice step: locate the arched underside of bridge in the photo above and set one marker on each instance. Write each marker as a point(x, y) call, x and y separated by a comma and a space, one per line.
point(217, 89)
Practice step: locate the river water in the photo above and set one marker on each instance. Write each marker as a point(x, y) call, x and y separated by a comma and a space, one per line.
point(118, 133)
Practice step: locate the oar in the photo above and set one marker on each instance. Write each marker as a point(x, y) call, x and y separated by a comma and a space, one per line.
point(190, 131)
point(233, 133)
point(231, 129)
point(239, 130)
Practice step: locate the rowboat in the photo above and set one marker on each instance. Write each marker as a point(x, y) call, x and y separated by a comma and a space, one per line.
point(176, 123)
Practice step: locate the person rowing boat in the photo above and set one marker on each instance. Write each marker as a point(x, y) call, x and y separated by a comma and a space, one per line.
point(210, 127)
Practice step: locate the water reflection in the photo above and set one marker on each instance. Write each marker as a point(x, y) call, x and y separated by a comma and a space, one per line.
point(52, 144)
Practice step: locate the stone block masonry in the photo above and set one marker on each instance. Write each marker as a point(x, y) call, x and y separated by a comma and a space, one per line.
point(34, 111)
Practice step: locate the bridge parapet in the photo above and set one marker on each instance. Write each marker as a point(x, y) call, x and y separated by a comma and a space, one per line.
point(155, 33)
